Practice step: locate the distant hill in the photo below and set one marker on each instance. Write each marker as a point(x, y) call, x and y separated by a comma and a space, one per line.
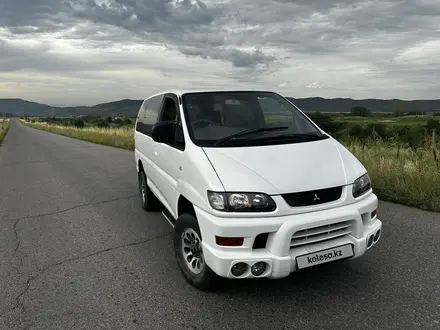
point(126, 107)
point(129, 108)
point(19, 107)
point(375, 105)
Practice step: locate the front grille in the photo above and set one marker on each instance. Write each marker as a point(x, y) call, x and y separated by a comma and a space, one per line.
point(313, 197)
point(321, 233)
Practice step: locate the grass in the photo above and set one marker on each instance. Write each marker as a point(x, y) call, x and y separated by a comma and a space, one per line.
point(116, 137)
point(4, 127)
point(399, 175)
point(403, 176)
point(394, 121)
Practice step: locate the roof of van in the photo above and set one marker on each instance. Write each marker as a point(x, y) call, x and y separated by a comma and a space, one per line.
point(181, 92)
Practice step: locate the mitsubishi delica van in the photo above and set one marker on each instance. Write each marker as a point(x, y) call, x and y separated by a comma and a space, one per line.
point(252, 187)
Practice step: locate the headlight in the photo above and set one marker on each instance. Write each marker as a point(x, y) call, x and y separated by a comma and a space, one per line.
point(241, 202)
point(361, 185)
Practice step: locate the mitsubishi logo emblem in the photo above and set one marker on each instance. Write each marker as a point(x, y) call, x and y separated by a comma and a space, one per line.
point(316, 198)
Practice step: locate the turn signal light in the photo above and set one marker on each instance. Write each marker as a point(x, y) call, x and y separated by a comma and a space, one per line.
point(229, 241)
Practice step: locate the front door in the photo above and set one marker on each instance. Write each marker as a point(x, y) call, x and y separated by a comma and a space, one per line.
point(169, 156)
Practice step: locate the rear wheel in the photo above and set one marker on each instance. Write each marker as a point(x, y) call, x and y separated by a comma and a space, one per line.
point(149, 201)
point(189, 253)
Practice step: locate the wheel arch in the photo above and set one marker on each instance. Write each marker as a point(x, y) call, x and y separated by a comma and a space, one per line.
point(185, 206)
point(140, 166)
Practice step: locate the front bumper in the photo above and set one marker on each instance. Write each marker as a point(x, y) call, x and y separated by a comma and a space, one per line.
point(281, 250)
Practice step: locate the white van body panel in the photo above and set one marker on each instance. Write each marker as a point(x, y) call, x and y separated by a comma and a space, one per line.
point(284, 168)
point(172, 172)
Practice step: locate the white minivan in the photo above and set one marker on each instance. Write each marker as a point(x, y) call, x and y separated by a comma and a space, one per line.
point(252, 187)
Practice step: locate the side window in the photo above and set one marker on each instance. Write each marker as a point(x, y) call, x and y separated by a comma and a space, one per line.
point(169, 110)
point(171, 113)
point(140, 117)
point(142, 110)
point(151, 115)
point(179, 138)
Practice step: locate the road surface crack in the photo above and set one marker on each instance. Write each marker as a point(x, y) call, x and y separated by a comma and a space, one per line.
point(22, 255)
point(102, 251)
point(73, 208)
point(62, 262)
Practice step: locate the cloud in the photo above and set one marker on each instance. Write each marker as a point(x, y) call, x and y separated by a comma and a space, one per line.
point(365, 48)
point(314, 84)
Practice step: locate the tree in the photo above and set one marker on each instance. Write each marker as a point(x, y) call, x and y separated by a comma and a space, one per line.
point(102, 123)
point(361, 112)
point(118, 122)
point(79, 123)
point(398, 112)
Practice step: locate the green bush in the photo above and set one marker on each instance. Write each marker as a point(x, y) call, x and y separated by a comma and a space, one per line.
point(356, 130)
point(378, 129)
point(118, 122)
point(79, 123)
point(101, 123)
point(361, 112)
point(432, 124)
point(334, 128)
point(414, 137)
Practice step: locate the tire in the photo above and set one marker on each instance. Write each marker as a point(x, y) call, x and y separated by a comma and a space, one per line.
point(201, 278)
point(149, 201)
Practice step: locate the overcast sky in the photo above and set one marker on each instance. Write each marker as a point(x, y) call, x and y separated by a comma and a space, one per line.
point(71, 52)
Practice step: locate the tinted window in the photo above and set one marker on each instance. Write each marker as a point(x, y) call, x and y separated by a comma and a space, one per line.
point(170, 113)
point(142, 110)
point(141, 114)
point(169, 110)
point(215, 116)
point(180, 139)
point(150, 115)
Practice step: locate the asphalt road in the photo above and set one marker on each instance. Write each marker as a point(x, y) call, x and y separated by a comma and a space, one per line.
point(78, 252)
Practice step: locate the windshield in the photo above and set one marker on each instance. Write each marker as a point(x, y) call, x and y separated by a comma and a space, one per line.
point(244, 119)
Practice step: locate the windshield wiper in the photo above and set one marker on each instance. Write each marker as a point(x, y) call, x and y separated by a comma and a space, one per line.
point(299, 136)
point(249, 131)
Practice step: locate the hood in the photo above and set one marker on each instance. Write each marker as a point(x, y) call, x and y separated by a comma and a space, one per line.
point(285, 168)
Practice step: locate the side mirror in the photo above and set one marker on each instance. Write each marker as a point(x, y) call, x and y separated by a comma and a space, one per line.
point(163, 132)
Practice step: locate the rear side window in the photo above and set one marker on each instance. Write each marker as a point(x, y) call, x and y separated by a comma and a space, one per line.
point(142, 110)
point(149, 114)
point(140, 118)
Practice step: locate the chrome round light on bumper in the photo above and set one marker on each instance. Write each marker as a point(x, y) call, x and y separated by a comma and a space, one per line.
point(239, 269)
point(370, 241)
point(258, 268)
point(377, 236)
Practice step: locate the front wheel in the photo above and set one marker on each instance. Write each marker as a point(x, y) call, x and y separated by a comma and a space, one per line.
point(189, 253)
point(149, 202)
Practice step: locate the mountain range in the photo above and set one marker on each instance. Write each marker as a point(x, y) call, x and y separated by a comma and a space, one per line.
point(129, 108)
